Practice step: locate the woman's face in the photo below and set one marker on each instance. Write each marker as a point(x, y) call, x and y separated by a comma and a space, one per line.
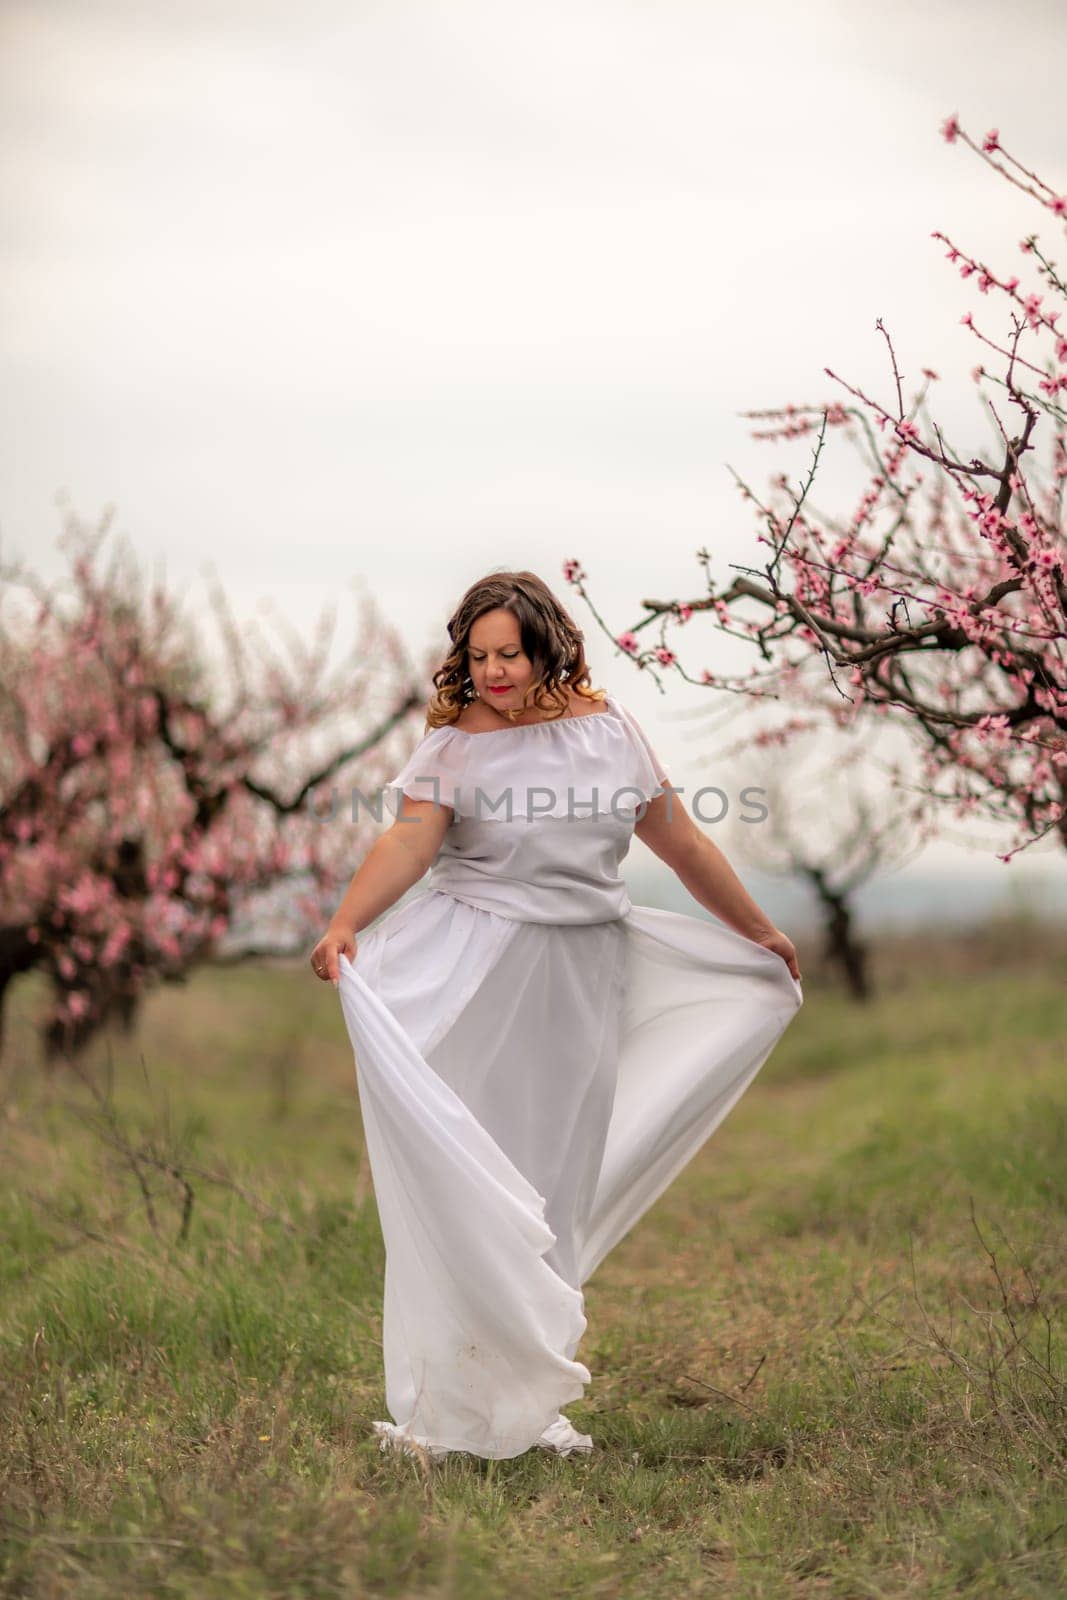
point(499, 667)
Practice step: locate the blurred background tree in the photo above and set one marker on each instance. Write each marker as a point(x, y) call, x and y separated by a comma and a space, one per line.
point(835, 831)
point(151, 792)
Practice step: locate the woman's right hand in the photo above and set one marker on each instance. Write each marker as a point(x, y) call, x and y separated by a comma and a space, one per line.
point(334, 943)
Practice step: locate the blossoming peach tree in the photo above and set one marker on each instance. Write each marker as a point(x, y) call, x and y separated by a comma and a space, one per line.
point(939, 599)
point(138, 813)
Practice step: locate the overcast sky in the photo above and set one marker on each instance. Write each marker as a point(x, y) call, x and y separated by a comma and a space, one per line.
point(395, 293)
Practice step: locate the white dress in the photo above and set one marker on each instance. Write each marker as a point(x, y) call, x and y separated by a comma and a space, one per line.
point(536, 1059)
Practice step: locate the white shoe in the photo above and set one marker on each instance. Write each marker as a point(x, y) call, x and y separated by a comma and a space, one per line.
point(563, 1438)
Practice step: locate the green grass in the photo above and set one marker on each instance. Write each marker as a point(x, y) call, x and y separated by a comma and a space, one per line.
point(828, 1362)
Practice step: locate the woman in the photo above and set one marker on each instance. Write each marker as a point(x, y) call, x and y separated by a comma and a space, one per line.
point(536, 1057)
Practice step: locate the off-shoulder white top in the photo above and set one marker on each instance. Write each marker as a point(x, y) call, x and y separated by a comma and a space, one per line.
point(543, 812)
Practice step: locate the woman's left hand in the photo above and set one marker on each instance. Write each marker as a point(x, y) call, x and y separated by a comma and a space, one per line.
point(782, 946)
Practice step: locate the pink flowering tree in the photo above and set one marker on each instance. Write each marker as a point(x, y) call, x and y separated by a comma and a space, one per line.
point(938, 599)
point(141, 807)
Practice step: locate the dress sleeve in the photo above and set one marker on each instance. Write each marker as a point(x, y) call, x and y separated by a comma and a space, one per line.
point(652, 770)
point(433, 771)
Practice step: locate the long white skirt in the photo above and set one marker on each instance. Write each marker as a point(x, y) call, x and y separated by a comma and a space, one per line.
point(527, 1091)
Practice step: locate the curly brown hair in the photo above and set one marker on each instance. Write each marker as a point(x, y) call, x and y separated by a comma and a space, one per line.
point(549, 635)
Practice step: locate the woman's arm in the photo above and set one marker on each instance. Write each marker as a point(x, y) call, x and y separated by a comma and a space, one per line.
point(670, 832)
point(388, 870)
point(391, 866)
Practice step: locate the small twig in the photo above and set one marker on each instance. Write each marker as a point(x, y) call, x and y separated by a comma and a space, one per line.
point(711, 1387)
point(754, 1371)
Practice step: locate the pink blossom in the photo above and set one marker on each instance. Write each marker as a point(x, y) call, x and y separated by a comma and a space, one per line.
point(572, 571)
point(950, 128)
point(664, 656)
point(991, 141)
point(117, 940)
point(629, 643)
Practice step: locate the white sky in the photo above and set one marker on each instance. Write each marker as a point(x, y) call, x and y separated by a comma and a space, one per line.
point(398, 293)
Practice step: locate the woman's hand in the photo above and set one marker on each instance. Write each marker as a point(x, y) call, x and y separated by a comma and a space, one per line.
point(324, 958)
point(782, 946)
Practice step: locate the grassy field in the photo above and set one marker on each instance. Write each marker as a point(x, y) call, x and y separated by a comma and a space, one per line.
point(830, 1361)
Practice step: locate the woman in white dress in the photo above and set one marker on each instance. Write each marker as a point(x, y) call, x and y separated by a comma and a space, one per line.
point(536, 1057)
